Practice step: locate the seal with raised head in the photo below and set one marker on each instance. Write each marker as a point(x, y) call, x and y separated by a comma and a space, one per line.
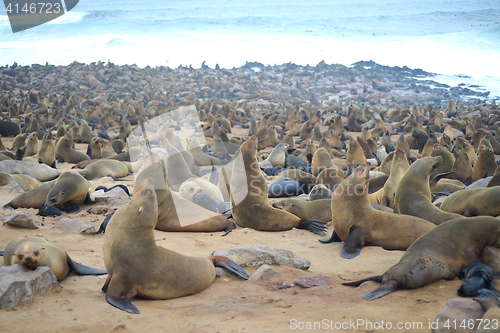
point(413, 194)
point(136, 266)
point(32, 252)
point(65, 151)
point(249, 200)
point(439, 254)
point(358, 224)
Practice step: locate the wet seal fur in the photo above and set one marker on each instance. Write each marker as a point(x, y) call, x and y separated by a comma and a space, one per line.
point(357, 223)
point(32, 252)
point(136, 266)
point(439, 254)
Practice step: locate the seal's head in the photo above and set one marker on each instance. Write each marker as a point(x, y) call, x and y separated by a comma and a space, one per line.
point(28, 255)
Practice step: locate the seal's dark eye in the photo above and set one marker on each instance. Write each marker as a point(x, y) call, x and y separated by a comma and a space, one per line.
point(21, 256)
point(36, 253)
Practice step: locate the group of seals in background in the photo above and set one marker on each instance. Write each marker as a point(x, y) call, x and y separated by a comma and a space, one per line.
point(317, 146)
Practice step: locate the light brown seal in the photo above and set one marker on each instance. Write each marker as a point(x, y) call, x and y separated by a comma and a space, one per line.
point(249, 200)
point(317, 209)
point(413, 194)
point(136, 266)
point(474, 202)
point(47, 151)
point(439, 254)
point(485, 164)
point(358, 224)
point(32, 252)
point(24, 181)
point(104, 168)
point(66, 153)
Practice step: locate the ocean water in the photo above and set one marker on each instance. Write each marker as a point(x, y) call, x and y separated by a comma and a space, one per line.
point(458, 40)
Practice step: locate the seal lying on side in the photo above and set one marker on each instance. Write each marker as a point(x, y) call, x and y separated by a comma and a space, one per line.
point(477, 276)
point(249, 201)
point(358, 224)
point(474, 202)
point(439, 254)
point(40, 172)
point(138, 267)
point(32, 252)
point(105, 168)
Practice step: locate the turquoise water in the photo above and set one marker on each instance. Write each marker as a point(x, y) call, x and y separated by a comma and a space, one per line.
point(450, 38)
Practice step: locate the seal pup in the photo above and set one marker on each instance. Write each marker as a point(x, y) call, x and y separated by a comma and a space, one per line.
point(439, 254)
point(358, 224)
point(477, 276)
point(136, 266)
point(249, 200)
point(32, 252)
point(277, 155)
point(413, 194)
point(193, 186)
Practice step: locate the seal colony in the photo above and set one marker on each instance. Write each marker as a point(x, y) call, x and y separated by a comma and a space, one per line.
point(229, 138)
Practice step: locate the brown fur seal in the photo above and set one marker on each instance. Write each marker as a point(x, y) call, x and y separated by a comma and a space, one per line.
point(104, 168)
point(495, 180)
point(317, 209)
point(138, 267)
point(32, 252)
point(385, 195)
point(474, 202)
point(330, 177)
point(66, 153)
point(355, 155)
point(491, 305)
point(413, 194)
point(200, 158)
point(358, 224)
point(462, 169)
point(177, 168)
point(31, 145)
point(439, 254)
point(277, 155)
point(24, 181)
point(321, 160)
point(299, 175)
point(34, 198)
point(174, 212)
point(319, 192)
point(250, 204)
point(485, 164)
point(47, 151)
point(69, 188)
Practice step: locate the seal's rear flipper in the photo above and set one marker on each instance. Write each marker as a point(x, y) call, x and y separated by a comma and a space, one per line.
point(352, 246)
point(82, 269)
point(116, 291)
point(220, 261)
point(104, 224)
point(383, 290)
point(376, 278)
point(317, 227)
point(439, 176)
point(334, 238)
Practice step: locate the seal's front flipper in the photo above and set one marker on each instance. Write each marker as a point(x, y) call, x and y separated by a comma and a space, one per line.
point(70, 207)
point(1, 253)
point(383, 290)
point(116, 293)
point(82, 269)
point(334, 238)
point(317, 227)
point(376, 278)
point(487, 299)
point(220, 261)
point(353, 244)
point(104, 224)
